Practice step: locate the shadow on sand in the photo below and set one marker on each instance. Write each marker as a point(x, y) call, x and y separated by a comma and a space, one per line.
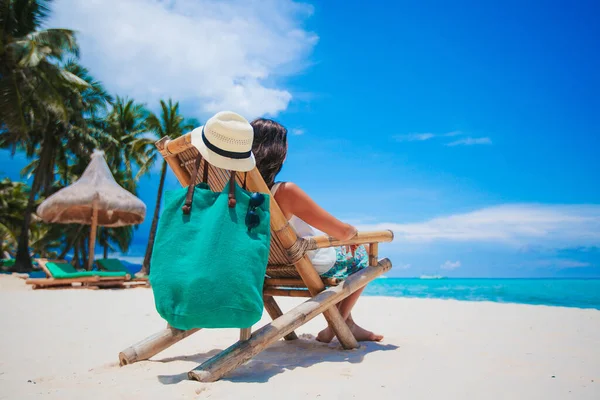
point(281, 356)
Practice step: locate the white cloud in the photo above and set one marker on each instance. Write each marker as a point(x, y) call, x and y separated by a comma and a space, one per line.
point(562, 263)
point(515, 224)
point(215, 55)
point(571, 264)
point(403, 266)
point(470, 141)
point(414, 137)
point(297, 131)
point(450, 265)
point(420, 137)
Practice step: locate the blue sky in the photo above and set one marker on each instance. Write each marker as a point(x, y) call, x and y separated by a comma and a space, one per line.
point(470, 129)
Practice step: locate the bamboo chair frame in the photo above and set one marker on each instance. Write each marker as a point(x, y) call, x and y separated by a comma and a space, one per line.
point(289, 273)
point(87, 281)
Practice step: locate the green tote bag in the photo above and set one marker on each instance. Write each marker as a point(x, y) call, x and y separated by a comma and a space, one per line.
point(210, 256)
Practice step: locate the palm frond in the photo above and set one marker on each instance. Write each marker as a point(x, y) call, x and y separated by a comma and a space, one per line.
point(24, 16)
point(43, 44)
point(12, 111)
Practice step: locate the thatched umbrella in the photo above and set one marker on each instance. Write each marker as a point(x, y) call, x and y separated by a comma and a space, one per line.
point(96, 199)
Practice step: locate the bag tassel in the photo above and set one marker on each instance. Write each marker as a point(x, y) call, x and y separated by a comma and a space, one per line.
point(231, 200)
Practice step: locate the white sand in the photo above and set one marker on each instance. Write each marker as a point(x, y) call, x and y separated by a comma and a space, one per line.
point(63, 344)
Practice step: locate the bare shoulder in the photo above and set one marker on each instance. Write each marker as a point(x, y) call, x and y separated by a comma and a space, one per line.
point(288, 187)
point(289, 191)
point(286, 197)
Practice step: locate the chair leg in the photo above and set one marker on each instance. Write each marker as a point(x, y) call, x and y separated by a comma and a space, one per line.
point(333, 317)
point(314, 284)
point(234, 356)
point(153, 345)
point(275, 312)
point(340, 328)
point(245, 334)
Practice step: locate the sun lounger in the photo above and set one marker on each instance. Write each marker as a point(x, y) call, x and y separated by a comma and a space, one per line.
point(289, 273)
point(61, 273)
point(115, 265)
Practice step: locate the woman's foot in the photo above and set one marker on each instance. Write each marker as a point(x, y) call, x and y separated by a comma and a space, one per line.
point(326, 335)
point(360, 334)
point(363, 335)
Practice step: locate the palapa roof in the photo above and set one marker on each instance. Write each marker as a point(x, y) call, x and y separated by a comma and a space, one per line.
point(74, 203)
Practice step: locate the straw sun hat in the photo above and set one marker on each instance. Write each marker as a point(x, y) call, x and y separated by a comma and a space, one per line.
point(225, 141)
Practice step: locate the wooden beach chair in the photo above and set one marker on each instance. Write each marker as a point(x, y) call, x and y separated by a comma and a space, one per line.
point(115, 265)
point(61, 273)
point(289, 273)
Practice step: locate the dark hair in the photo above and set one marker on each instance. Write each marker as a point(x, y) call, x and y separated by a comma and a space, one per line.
point(269, 148)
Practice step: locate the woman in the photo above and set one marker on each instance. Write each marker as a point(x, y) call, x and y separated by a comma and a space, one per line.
point(270, 151)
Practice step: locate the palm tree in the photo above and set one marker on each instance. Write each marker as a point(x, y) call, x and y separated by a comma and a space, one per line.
point(170, 124)
point(30, 70)
point(126, 126)
point(13, 202)
point(66, 144)
point(13, 205)
point(121, 237)
point(45, 240)
point(41, 97)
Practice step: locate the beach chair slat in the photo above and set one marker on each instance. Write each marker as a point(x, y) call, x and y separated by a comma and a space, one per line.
point(297, 282)
point(297, 292)
point(277, 254)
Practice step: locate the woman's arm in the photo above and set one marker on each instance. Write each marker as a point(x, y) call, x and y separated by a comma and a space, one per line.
point(294, 201)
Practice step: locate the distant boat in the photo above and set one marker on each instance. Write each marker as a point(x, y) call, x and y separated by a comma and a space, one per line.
point(432, 277)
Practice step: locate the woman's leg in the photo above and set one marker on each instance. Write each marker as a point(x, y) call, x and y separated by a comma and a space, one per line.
point(345, 307)
point(347, 265)
point(349, 302)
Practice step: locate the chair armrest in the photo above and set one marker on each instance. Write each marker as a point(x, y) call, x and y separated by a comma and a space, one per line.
point(360, 238)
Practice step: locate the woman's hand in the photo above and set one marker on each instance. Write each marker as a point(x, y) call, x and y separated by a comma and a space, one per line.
point(352, 248)
point(351, 232)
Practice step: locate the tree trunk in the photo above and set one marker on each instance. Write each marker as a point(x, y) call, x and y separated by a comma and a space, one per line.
point(75, 260)
point(146, 264)
point(70, 244)
point(42, 179)
point(23, 258)
point(64, 253)
point(84, 258)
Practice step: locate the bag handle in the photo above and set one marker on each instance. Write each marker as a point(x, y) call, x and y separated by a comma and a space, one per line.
point(189, 197)
point(231, 202)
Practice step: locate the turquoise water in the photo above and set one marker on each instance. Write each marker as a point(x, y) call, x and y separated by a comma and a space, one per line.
point(582, 293)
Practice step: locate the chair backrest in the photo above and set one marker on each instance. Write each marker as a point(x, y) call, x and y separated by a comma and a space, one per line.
point(111, 265)
point(181, 155)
